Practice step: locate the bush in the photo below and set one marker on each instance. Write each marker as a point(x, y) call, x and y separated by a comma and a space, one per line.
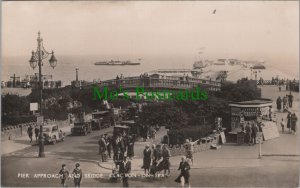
point(194, 132)
point(15, 120)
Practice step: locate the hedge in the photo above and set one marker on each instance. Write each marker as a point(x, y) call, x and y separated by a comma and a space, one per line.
point(15, 120)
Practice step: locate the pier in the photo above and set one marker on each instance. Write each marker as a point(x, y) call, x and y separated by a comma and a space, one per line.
point(153, 82)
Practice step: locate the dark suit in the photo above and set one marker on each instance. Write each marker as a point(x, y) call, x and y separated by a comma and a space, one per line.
point(253, 133)
point(118, 159)
point(125, 170)
point(184, 168)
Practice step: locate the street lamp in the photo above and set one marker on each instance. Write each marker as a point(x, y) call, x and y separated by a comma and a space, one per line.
point(37, 59)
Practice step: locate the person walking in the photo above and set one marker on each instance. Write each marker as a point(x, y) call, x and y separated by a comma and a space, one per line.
point(184, 175)
point(147, 159)
point(102, 148)
point(30, 132)
point(63, 174)
point(282, 123)
point(254, 132)
point(278, 103)
point(130, 147)
point(109, 145)
point(189, 147)
point(77, 174)
point(36, 132)
point(154, 156)
point(290, 99)
point(118, 159)
point(248, 133)
point(152, 133)
point(166, 154)
point(289, 121)
point(285, 104)
point(294, 123)
point(125, 171)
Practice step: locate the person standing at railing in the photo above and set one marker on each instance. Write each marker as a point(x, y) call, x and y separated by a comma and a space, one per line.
point(118, 80)
point(290, 99)
point(187, 79)
point(121, 79)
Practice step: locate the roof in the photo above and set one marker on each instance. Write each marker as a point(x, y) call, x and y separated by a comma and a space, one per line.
point(101, 112)
point(51, 125)
point(121, 126)
point(128, 121)
point(259, 66)
point(253, 103)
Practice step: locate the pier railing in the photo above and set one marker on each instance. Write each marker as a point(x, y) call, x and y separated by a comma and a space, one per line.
point(149, 82)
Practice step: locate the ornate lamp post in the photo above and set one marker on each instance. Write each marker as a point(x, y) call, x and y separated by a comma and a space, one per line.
point(37, 59)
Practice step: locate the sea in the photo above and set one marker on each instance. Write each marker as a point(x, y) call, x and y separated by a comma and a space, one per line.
point(66, 65)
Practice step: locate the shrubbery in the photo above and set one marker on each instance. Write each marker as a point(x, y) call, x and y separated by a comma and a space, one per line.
point(15, 120)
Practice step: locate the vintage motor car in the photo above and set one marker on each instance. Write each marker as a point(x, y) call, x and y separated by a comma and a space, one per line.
point(102, 119)
point(52, 134)
point(81, 128)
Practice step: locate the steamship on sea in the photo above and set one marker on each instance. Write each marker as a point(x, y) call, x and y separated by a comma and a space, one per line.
point(117, 63)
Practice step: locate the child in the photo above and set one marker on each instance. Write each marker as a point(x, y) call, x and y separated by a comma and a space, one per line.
point(77, 173)
point(153, 168)
point(64, 173)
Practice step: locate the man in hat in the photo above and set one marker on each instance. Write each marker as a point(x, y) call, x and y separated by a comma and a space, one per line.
point(130, 146)
point(36, 132)
point(108, 141)
point(125, 171)
point(248, 133)
point(290, 99)
point(77, 174)
point(64, 174)
point(102, 148)
point(30, 132)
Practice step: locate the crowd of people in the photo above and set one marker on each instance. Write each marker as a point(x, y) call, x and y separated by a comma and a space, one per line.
point(288, 85)
point(121, 143)
point(30, 133)
point(156, 160)
point(283, 105)
point(285, 102)
point(251, 130)
point(290, 123)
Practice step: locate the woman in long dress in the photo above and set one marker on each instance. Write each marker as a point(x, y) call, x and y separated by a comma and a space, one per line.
point(130, 146)
point(289, 121)
point(147, 159)
point(278, 102)
point(294, 122)
point(184, 176)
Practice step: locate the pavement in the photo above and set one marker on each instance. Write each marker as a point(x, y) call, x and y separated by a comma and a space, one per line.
point(230, 166)
point(23, 142)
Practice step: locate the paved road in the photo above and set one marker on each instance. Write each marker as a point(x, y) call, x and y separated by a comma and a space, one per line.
point(73, 149)
point(230, 166)
point(82, 149)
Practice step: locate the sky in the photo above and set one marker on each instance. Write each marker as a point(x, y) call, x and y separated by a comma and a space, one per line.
point(261, 30)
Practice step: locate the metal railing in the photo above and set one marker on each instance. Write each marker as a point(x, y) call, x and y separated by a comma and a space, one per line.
point(132, 82)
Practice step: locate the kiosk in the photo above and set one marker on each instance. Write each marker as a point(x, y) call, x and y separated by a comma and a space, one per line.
point(259, 111)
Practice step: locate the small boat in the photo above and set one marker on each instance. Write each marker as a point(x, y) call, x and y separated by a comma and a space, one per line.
point(119, 63)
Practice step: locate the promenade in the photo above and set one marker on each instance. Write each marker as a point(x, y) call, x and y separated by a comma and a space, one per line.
point(232, 165)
